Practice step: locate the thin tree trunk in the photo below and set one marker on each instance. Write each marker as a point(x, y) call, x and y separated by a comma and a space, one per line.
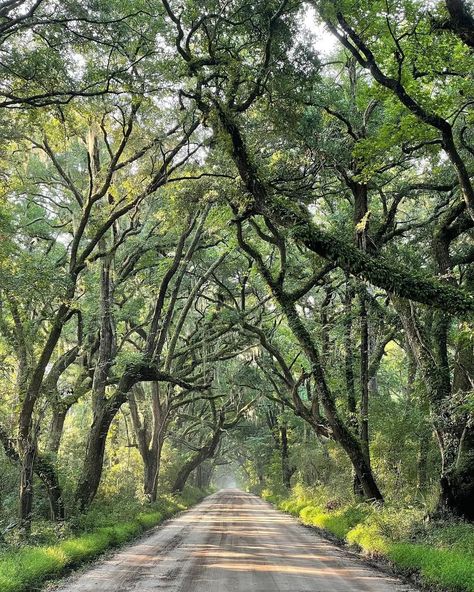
point(286, 468)
point(341, 433)
point(348, 353)
point(27, 456)
point(364, 378)
point(57, 427)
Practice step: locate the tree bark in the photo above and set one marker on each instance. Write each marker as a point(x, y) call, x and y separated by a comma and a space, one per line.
point(422, 461)
point(364, 377)
point(44, 470)
point(27, 456)
point(340, 432)
point(94, 459)
point(57, 427)
point(47, 473)
point(457, 477)
point(203, 475)
point(104, 410)
point(286, 468)
point(461, 21)
point(376, 269)
point(348, 353)
point(452, 427)
point(151, 470)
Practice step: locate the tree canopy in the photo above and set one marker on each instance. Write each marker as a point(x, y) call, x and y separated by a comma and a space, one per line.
point(227, 256)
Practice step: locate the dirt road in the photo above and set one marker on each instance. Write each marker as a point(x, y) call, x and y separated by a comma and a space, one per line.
point(232, 542)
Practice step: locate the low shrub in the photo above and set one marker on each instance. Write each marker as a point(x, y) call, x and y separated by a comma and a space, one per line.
point(368, 538)
point(338, 522)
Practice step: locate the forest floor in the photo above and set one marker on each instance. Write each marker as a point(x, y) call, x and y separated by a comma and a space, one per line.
point(233, 542)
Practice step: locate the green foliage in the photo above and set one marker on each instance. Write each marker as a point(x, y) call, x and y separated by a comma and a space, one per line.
point(450, 570)
point(338, 522)
point(120, 134)
point(440, 553)
point(367, 536)
point(102, 528)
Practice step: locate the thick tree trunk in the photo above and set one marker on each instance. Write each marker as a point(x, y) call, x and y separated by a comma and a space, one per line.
point(457, 480)
point(461, 20)
point(184, 473)
point(47, 473)
point(94, 459)
point(203, 475)
point(362, 468)
point(452, 427)
point(457, 475)
point(150, 435)
point(104, 409)
point(197, 477)
point(44, 470)
point(151, 471)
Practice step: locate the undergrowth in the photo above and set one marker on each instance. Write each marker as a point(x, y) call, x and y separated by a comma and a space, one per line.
point(102, 528)
point(439, 554)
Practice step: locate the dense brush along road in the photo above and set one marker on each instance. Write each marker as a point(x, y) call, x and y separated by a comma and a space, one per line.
point(232, 542)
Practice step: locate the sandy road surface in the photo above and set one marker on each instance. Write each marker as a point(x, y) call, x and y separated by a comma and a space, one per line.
point(232, 542)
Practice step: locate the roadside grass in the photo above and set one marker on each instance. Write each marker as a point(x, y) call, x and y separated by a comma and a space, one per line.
point(440, 555)
point(25, 568)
